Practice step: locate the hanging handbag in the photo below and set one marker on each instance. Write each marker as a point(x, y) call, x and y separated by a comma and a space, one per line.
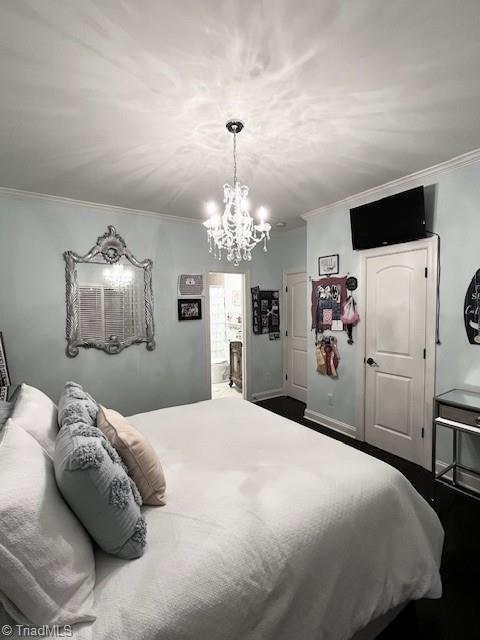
point(350, 316)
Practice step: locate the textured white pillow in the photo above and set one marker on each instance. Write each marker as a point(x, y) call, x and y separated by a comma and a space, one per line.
point(47, 566)
point(37, 414)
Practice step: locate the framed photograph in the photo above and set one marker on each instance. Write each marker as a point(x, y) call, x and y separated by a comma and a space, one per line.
point(328, 265)
point(4, 374)
point(189, 309)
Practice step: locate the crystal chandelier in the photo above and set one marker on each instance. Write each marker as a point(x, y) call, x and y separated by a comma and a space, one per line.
point(117, 276)
point(234, 233)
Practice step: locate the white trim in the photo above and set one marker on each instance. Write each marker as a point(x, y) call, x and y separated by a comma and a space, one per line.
point(286, 273)
point(331, 423)
point(246, 328)
point(431, 245)
point(464, 478)
point(266, 395)
point(386, 189)
point(96, 206)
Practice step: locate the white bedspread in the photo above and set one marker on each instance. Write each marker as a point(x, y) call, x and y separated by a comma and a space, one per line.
point(271, 531)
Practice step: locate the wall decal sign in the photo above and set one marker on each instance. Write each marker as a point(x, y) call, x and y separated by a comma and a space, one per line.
point(472, 310)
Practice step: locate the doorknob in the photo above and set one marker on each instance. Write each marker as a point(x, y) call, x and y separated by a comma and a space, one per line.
point(372, 362)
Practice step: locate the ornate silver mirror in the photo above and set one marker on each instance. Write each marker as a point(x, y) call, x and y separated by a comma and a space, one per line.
point(109, 297)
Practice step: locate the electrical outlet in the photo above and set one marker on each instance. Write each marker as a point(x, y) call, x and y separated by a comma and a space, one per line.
point(330, 399)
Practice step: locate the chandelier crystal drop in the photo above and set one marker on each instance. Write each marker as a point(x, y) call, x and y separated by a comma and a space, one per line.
point(234, 233)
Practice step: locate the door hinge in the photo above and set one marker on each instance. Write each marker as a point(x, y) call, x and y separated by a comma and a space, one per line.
point(426, 272)
point(286, 376)
point(424, 354)
point(423, 432)
point(286, 333)
point(286, 289)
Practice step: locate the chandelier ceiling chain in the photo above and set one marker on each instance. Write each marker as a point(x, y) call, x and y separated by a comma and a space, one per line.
point(234, 232)
point(235, 156)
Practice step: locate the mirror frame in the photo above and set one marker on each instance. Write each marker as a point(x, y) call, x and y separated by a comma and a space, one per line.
point(111, 247)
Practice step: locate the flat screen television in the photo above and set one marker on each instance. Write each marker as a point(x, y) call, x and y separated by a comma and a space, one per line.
point(398, 218)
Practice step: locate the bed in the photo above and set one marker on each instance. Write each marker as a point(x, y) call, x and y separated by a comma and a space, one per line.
point(271, 531)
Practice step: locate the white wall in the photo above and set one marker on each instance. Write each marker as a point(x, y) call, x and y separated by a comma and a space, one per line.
point(453, 211)
point(34, 232)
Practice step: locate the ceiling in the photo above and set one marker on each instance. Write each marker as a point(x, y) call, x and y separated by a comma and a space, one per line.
point(124, 102)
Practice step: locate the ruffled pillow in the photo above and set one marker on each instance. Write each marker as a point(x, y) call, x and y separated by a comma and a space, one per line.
point(94, 482)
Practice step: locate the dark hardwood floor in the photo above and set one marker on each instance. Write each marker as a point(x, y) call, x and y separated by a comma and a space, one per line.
point(457, 614)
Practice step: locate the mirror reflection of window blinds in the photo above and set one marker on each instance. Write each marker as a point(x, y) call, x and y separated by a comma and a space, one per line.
point(108, 311)
point(90, 320)
point(116, 313)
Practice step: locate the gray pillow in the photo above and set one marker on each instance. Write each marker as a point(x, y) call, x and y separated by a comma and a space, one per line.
point(76, 405)
point(94, 482)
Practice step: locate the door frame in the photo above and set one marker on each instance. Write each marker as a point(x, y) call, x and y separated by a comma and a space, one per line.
point(246, 315)
point(431, 245)
point(286, 273)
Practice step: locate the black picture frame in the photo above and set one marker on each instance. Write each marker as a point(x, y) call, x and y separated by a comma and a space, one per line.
point(189, 309)
point(334, 270)
point(5, 380)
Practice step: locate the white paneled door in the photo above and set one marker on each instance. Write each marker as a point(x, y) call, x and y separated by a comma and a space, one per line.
point(396, 301)
point(296, 338)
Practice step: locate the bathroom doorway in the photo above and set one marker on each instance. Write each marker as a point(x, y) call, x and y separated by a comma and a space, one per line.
point(227, 317)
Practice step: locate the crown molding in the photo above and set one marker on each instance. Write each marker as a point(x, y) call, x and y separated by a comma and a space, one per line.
point(97, 206)
point(386, 189)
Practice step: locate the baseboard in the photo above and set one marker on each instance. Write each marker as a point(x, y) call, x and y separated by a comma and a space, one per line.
point(266, 395)
point(467, 480)
point(331, 423)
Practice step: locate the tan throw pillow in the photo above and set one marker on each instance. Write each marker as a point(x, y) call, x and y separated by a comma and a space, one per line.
point(137, 453)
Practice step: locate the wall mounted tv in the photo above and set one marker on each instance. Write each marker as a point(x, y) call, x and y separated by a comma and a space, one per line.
point(398, 218)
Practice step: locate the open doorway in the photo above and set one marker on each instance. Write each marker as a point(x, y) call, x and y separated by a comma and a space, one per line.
point(226, 297)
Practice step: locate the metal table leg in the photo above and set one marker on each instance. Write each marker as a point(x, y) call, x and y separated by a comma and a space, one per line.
point(434, 456)
point(454, 470)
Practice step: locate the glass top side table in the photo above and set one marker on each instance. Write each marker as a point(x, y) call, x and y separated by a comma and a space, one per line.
point(459, 411)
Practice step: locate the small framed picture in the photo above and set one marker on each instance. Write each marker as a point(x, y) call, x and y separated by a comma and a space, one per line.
point(328, 265)
point(189, 309)
point(4, 374)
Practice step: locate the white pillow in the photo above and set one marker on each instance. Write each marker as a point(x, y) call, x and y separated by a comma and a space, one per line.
point(47, 564)
point(37, 414)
